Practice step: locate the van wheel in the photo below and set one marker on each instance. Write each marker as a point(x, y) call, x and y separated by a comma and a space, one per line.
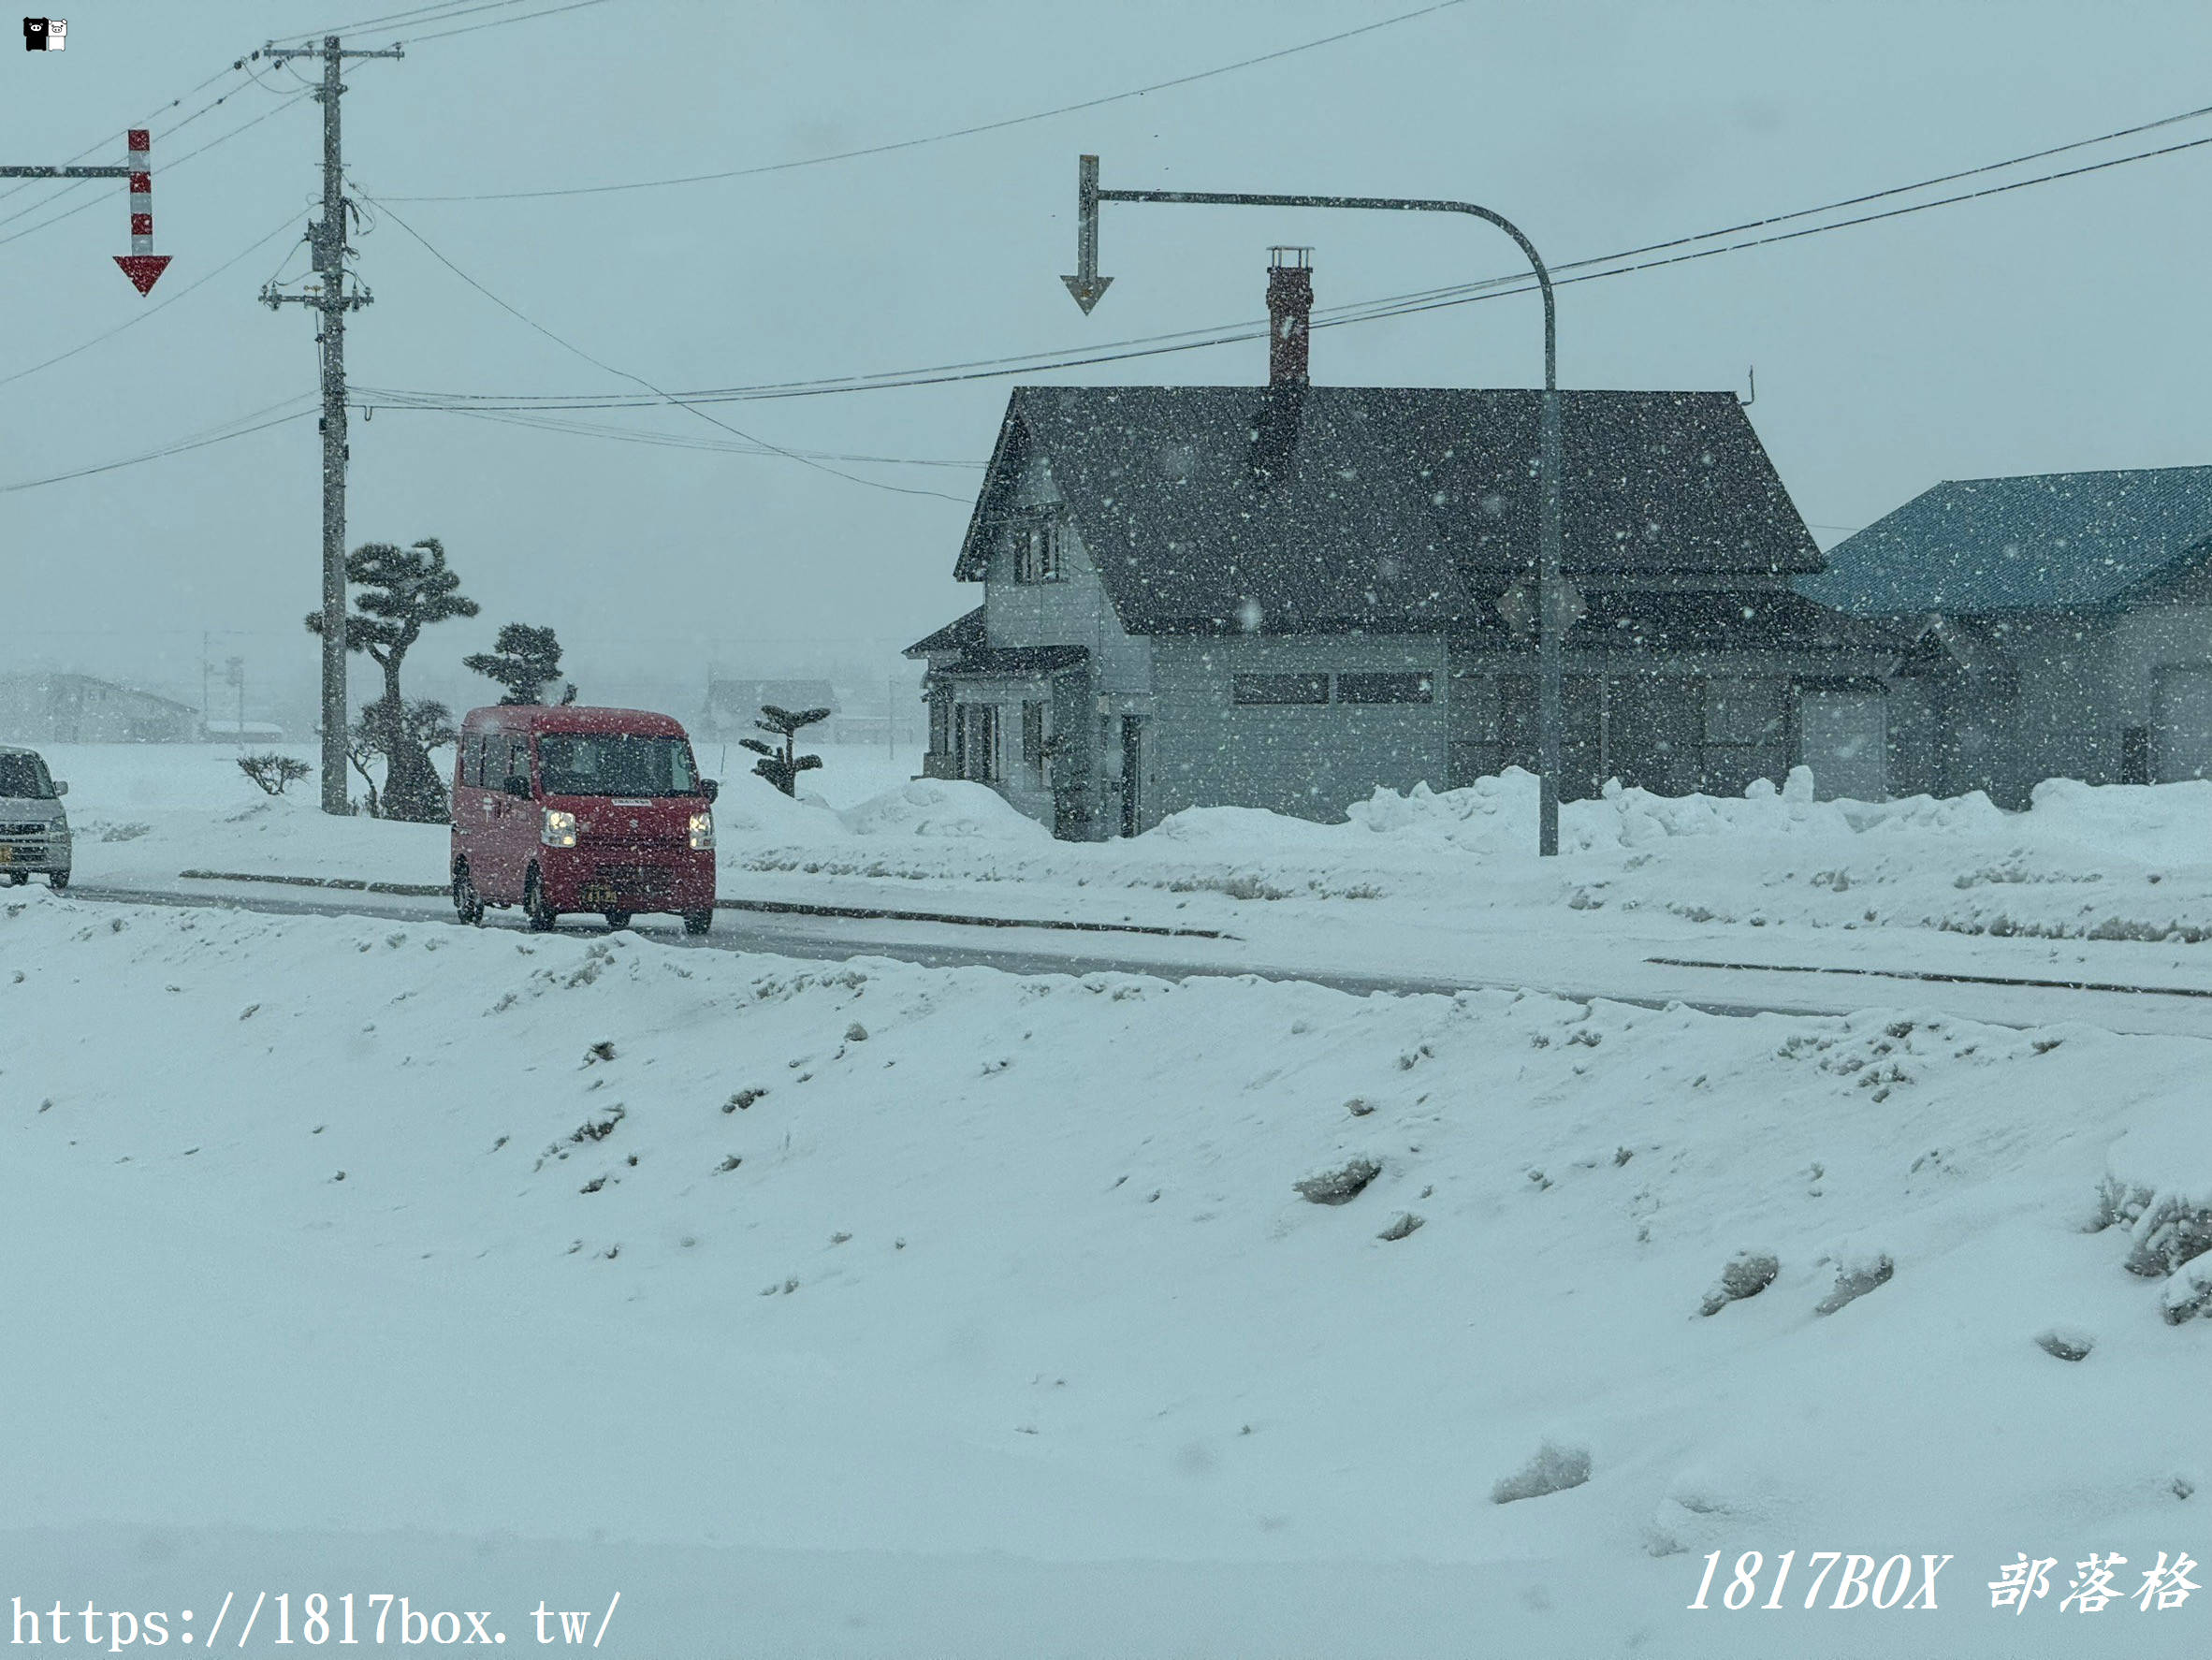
point(468, 904)
point(698, 922)
point(616, 919)
point(542, 916)
point(57, 880)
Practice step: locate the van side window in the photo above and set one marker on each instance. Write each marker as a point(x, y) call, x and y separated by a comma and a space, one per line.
point(518, 759)
point(471, 759)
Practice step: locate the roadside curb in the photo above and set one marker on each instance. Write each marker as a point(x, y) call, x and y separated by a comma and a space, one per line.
point(781, 907)
point(349, 884)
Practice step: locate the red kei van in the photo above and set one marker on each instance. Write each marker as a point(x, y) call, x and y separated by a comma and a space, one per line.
point(559, 808)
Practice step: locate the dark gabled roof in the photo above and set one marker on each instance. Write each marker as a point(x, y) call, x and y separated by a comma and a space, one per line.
point(2048, 540)
point(1227, 508)
point(964, 633)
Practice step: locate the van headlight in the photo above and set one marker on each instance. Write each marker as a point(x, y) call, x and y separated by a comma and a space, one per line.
point(561, 828)
point(702, 831)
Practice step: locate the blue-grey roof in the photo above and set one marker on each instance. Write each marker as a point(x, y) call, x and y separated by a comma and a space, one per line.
point(2053, 539)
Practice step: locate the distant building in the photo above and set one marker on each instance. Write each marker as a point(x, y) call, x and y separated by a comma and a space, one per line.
point(2062, 628)
point(56, 709)
point(733, 704)
point(1284, 596)
point(225, 731)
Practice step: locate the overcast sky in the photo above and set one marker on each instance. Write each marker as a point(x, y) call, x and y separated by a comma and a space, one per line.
point(2052, 328)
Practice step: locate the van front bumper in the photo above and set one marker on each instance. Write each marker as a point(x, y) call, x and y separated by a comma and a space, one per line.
point(34, 849)
point(678, 879)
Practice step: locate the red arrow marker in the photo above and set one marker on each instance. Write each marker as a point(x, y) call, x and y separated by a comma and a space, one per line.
point(142, 264)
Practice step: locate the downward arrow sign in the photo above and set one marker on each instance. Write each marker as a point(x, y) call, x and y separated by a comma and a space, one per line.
point(142, 264)
point(1086, 289)
point(144, 270)
point(1086, 285)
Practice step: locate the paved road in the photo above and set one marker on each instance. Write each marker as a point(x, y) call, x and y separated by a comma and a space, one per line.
point(931, 944)
point(1620, 969)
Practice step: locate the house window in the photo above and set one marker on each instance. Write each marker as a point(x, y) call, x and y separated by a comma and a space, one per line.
point(1037, 548)
point(1385, 689)
point(977, 734)
point(1273, 688)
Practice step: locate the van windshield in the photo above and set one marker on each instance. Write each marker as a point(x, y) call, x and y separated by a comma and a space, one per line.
point(615, 764)
point(23, 778)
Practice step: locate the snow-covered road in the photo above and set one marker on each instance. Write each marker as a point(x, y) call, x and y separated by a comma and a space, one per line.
point(2005, 981)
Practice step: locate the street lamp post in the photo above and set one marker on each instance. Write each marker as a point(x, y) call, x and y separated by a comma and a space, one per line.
point(1086, 285)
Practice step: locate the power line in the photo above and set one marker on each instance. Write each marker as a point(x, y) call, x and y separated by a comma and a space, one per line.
point(137, 317)
point(1581, 270)
point(170, 166)
point(675, 440)
point(966, 131)
point(570, 346)
point(222, 434)
point(449, 7)
point(500, 22)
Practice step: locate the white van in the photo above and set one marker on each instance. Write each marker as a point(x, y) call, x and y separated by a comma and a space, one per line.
point(34, 829)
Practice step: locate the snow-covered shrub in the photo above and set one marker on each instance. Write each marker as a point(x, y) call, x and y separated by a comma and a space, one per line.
point(2066, 1343)
point(1554, 1469)
point(2187, 1292)
point(1404, 1223)
point(1747, 1275)
point(1341, 1186)
point(1854, 1279)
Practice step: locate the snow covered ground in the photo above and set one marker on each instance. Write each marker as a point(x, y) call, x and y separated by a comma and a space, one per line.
point(950, 1312)
point(878, 1309)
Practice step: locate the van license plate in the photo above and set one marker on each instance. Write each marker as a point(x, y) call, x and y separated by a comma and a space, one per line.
point(598, 895)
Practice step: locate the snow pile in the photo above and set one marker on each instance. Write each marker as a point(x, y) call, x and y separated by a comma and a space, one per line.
point(943, 807)
point(749, 805)
point(2152, 824)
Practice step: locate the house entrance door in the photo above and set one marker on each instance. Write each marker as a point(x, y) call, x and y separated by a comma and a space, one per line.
point(1132, 772)
point(1843, 737)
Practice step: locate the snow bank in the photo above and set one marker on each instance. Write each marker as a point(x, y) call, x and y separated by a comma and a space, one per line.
point(942, 807)
point(986, 1263)
point(749, 804)
point(2156, 823)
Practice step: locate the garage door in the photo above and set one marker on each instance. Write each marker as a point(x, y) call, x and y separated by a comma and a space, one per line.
point(1845, 738)
point(2185, 725)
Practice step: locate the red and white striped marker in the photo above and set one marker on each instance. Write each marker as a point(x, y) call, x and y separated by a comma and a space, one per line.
point(142, 264)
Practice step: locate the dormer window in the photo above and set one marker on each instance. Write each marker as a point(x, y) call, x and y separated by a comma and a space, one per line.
point(1037, 548)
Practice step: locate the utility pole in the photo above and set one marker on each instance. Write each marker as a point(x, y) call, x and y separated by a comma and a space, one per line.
point(327, 294)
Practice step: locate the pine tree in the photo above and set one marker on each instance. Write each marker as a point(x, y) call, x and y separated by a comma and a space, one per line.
point(404, 590)
point(782, 767)
point(526, 661)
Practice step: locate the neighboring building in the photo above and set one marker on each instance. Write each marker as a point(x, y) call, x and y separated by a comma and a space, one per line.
point(732, 706)
point(222, 730)
point(2063, 628)
point(1284, 596)
point(78, 709)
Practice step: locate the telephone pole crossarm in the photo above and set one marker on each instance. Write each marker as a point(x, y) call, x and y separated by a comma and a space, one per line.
point(1552, 609)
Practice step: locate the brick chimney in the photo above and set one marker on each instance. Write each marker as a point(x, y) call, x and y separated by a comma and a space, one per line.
point(1289, 312)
